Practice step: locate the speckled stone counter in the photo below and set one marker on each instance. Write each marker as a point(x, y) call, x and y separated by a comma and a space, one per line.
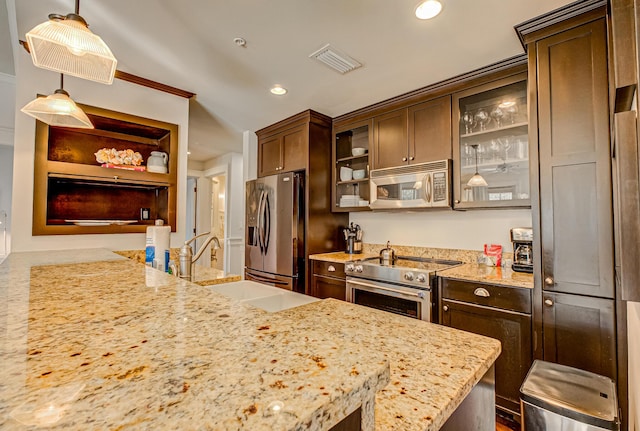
point(489, 274)
point(340, 256)
point(114, 344)
point(201, 275)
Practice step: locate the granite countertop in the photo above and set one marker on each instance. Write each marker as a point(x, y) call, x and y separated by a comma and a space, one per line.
point(341, 257)
point(115, 344)
point(201, 275)
point(489, 274)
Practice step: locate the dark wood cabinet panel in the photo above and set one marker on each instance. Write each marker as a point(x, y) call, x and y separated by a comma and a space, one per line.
point(294, 150)
point(328, 280)
point(576, 226)
point(328, 287)
point(390, 139)
point(579, 331)
point(269, 156)
point(430, 130)
point(512, 329)
point(283, 152)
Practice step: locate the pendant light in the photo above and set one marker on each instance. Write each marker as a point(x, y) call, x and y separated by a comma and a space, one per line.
point(65, 44)
point(476, 180)
point(58, 109)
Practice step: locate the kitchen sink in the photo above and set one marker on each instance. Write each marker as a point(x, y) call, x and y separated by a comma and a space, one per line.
point(265, 297)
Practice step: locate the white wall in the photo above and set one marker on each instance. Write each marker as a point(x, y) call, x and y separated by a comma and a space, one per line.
point(121, 96)
point(465, 230)
point(7, 120)
point(633, 334)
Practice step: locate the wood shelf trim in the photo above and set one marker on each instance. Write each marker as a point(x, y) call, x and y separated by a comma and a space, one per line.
point(347, 159)
point(98, 173)
point(361, 180)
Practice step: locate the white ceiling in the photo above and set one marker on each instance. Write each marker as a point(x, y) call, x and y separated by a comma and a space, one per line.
point(189, 44)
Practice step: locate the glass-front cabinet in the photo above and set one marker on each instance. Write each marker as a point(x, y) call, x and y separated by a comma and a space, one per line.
point(491, 146)
point(352, 143)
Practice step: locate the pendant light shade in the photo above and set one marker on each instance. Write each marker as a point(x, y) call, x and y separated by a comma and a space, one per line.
point(65, 44)
point(476, 180)
point(58, 109)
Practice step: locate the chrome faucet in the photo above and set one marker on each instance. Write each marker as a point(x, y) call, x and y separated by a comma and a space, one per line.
point(186, 257)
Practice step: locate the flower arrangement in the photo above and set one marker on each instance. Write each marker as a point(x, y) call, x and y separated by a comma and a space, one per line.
point(119, 157)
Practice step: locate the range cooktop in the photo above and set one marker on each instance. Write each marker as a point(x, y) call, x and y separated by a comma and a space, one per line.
point(406, 270)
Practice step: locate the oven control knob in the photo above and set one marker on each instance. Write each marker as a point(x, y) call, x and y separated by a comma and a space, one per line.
point(408, 276)
point(349, 267)
point(358, 268)
point(421, 278)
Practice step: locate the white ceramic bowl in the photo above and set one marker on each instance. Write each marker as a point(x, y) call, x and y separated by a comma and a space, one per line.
point(358, 174)
point(357, 151)
point(346, 173)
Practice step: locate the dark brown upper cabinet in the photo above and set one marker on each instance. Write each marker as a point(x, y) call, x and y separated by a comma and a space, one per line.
point(74, 194)
point(349, 193)
point(575, 187)
point(284, 151)
point(430, 131)
point(417, 134)
point(491, 138)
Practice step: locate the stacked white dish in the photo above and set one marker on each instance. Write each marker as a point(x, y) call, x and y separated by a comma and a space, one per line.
point(349, 200)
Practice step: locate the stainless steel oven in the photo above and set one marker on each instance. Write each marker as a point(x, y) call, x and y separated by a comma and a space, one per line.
point(402, 287)
point(407, 301)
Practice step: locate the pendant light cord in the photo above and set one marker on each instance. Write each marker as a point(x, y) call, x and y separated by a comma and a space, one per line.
point(77, 7)
point(62, 88)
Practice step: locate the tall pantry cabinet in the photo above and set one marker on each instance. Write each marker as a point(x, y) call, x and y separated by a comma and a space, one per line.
point(572, 203)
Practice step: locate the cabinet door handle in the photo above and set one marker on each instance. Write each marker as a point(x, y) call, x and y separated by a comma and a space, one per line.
point(481, 291)
point(404, 159)
point(331, 268)
point(548, 302)
point(457, 201)
point(411, 158)
point(549, 281)
point(445, 308)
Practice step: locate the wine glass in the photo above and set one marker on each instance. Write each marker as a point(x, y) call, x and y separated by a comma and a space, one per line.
point(497, 114)
point(482, 118)
point(468, 121)
point(512, 111)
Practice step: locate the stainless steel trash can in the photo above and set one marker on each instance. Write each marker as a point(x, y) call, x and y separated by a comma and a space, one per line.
point(560, 398)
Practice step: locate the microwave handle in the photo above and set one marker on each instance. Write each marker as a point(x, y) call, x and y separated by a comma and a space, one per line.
point(428, 188)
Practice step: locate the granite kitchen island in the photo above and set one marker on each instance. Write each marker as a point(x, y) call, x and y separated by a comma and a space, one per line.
point(92, 340)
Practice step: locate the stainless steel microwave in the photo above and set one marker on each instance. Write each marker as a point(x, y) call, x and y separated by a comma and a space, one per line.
point(424, 185)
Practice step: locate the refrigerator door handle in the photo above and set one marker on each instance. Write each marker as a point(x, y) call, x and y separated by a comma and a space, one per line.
point(259, 221)
point(267, 218)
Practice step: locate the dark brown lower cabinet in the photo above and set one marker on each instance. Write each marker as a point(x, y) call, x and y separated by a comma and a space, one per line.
point(512, 328)
point(579, 331)
point(328, 280)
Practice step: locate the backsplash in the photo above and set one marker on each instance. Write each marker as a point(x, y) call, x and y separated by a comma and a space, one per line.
point(466, 256)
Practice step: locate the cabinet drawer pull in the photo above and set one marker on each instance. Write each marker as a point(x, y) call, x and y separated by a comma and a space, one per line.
point(548, 302)
point(549, 281)
point(481, 291)
point(331, 268)
point(445, 308)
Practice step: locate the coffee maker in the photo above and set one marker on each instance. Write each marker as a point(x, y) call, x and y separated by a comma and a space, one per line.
point(353, 237)
point(522, 239)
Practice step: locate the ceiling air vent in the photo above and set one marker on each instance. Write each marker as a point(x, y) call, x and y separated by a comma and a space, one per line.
point(335, 59)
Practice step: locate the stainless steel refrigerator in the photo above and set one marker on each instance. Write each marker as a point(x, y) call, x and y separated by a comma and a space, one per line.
point(274, 231)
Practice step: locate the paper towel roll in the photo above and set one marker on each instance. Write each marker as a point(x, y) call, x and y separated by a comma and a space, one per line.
point(157, 246)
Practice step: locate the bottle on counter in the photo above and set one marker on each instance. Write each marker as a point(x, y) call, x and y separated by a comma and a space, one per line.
point(157, 246)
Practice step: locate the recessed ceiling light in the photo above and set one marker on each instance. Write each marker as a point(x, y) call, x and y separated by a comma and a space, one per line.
point(428, 9)
point(278, 90)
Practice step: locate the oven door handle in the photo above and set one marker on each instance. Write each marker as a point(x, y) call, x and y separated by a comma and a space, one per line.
point(418, 294)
